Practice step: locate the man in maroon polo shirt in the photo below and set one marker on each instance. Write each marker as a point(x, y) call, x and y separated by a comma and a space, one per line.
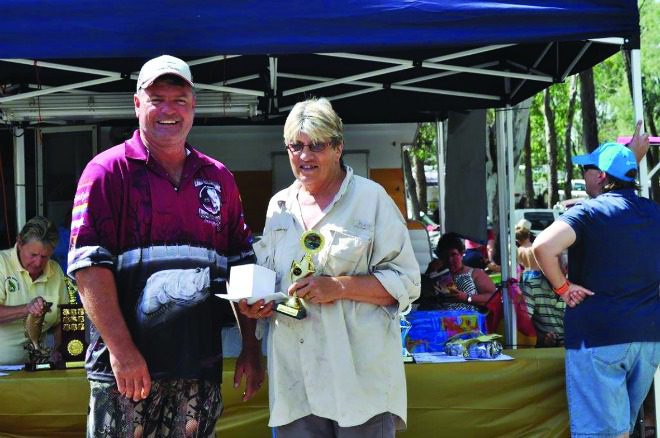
point(156, 226)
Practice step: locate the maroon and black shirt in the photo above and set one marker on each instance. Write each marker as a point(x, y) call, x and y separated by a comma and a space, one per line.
point(168, 248)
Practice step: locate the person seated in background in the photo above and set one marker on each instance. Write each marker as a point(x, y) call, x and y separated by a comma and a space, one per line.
point(469, 287)
point(29, 279)
point(544, 307)
point(476, 255)
point(480, 255)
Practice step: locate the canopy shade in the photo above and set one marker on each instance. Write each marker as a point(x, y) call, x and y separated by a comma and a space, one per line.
point(378, 61)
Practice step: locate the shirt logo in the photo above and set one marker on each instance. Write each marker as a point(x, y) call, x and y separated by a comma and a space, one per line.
point(209, 198)
point(11, 284)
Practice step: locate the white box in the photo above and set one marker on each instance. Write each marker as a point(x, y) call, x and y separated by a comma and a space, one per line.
point(251, 281)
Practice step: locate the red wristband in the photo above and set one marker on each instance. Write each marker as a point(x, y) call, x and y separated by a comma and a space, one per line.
point(561, 290)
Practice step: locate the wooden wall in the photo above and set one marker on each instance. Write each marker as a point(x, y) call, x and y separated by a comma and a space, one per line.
point(392, 181)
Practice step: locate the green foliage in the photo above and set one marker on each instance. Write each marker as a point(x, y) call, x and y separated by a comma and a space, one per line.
point(559, 97)
point(613, 95)
point(425, 147)
point(614, 106)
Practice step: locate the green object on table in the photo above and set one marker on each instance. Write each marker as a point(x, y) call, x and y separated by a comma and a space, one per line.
point(496, 277)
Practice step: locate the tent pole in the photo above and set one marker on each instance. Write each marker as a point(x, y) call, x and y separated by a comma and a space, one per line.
point(513, 263)
point(503, 234)
point(638, 105)
point(440, 138)
point(19, 176)
point(644, 179)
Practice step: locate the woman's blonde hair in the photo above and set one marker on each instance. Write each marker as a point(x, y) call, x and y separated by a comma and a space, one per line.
point(316, 118)
point(522, 229)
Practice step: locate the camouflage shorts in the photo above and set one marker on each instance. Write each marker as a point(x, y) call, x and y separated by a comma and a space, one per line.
point(174, 408)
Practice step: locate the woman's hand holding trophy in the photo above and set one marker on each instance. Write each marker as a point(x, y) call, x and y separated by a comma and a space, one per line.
point(311, 242)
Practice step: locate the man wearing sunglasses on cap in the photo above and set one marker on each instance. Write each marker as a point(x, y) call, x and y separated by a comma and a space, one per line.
point(612, 323)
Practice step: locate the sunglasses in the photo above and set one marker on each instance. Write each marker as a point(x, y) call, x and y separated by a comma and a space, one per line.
point(313, 147)
point(588, 167)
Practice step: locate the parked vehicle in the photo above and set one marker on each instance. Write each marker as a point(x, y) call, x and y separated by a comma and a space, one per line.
point(578, 190)
point(540, 218)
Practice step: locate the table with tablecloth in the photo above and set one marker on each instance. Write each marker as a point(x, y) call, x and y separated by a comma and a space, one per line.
point(522, 397)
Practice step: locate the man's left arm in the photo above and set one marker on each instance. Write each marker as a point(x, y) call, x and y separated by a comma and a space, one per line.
point(547, 248)
point(249, 362)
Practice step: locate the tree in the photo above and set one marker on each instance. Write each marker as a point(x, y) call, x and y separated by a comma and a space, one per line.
point(551, 146)
point(589, 119)
point(411, 185)
point(423, 151)
point(551, 119)
point(529, 181)
point(613, 97)
point(568, 167)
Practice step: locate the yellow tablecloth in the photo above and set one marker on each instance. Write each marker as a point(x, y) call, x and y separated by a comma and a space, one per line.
point(523, 397)
point(54, 404)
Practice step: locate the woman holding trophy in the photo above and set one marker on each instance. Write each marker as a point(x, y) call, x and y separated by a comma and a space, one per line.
point(341, 249)
point(31, 288)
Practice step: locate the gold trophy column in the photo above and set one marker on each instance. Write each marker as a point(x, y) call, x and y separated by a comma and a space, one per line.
point(311, 242)
point(72, 317)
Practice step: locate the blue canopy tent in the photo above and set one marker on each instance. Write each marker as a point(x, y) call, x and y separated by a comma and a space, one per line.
point(376, 60)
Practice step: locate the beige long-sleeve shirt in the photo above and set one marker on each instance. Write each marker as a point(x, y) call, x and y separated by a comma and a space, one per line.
point(343, 361)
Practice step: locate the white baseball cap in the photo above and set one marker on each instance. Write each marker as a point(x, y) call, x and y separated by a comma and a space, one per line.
point(163, 65)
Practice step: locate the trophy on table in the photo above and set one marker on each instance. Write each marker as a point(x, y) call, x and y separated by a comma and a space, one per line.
point(38, 355)
point(72, 317)
point(311, 242)
point(405, 328)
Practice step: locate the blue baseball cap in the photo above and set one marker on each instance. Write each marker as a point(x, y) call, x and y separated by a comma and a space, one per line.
point(612, 158)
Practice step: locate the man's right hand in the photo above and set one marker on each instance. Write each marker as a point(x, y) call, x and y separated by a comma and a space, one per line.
point(131, 374)
point(639, 143)
point(36, 307)
point(258, 310)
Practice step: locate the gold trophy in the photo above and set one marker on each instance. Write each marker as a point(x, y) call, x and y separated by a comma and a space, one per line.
point(38, 355)
point(72, 317)
point(311, 242)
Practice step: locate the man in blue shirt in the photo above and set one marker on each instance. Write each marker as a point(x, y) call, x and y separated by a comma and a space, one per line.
point(612, 323)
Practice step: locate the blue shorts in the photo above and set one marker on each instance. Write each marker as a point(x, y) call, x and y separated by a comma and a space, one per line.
point(606, 386)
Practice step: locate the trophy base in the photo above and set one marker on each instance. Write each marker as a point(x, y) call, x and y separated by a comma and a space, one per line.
point(409, 358)
point(39, 366)
point(298, 313)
